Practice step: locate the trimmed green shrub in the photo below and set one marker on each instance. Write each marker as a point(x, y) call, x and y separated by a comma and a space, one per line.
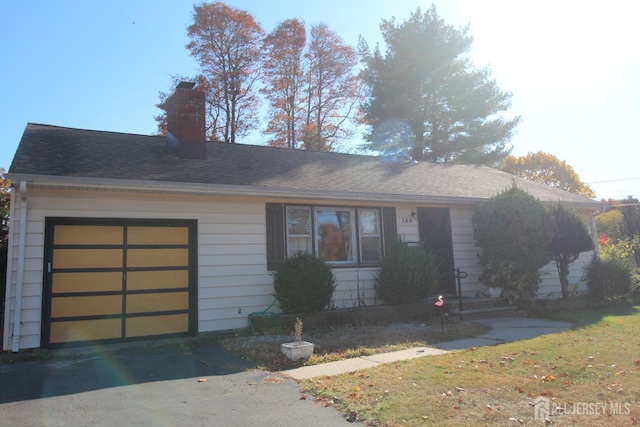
point(303, 283)
point(570, 240)
point(607, 278)
point(515, 232)
point(407, 274)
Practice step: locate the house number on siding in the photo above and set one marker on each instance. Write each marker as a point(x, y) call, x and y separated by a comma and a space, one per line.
point(407, 220)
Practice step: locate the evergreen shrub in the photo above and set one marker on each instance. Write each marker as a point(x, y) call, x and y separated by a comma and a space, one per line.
point(407, 274)
point(608, 278)
point(303, 283)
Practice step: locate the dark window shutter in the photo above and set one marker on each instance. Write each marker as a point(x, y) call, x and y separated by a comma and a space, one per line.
point(275, 234)
point(389, 226)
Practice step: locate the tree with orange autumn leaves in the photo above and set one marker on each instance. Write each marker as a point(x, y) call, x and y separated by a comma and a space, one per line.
point(311, 90)
point(283, 75)
point(226, 43)
point(548, 169)
point(331, 90)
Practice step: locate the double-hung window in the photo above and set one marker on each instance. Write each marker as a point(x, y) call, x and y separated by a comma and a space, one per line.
point(298, 229)
point(370, 235)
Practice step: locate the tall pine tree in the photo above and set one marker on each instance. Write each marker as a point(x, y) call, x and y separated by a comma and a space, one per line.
point(427, 99)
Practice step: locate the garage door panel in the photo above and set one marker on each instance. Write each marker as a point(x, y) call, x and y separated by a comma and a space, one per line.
point(85, 330)
point(157, 257)
point(116, 279)
point(157, 235)
point(88, 235)
point(157, 325)
point(86, 306)
point(87, 258)
point(163, 279)
point(148, 303)
point(86, 282)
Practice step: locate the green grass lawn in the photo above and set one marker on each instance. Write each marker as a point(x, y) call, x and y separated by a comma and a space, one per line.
point(590, 376)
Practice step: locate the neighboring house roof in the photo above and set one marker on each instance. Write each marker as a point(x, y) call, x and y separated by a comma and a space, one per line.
point(91, 156)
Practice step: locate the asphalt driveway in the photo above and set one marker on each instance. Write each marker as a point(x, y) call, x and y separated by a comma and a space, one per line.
point(173, 384)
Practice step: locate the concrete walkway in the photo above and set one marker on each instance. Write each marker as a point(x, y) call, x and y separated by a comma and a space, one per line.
point(503, 330)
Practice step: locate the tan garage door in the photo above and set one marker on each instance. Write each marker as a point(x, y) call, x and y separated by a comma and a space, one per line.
point(114, 280)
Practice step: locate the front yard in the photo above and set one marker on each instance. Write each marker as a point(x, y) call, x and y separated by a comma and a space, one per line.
point(352, 340)
point(586, 376)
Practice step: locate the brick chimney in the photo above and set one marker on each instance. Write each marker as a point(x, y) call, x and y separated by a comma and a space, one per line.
point(186, 129)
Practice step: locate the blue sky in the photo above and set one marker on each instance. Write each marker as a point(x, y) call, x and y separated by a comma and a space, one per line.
point(573, 67)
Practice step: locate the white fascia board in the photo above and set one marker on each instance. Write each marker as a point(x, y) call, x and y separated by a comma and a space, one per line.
point(106, 184)
point(229, 190)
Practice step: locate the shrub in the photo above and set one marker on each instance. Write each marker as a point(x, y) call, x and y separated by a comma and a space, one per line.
point(515, 232)
point(303, 283)
point(608, 278)
point(406, 274)
point(620, 250)
point(571, 238)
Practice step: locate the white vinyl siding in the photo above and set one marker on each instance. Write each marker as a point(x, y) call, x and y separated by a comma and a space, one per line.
point(233, 280)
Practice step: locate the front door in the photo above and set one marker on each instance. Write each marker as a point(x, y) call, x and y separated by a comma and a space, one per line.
point(434, 226)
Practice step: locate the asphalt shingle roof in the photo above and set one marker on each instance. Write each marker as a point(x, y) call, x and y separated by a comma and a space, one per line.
point(67, 152)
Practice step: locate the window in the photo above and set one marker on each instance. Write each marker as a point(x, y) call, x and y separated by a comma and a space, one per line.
point(298, 229)
point(341, 235)
point(335, 237)
point(370, 236)
point(334, 234)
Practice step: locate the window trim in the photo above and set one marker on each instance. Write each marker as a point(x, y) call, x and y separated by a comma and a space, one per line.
point(276, 235)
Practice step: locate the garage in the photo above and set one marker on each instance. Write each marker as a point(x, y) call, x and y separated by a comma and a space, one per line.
point(109, 280)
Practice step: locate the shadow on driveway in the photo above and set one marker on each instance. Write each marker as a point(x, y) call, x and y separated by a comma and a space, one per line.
point(80, 370)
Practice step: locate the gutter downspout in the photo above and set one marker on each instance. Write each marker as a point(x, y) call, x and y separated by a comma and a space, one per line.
point(6, 342)
point(22, 238)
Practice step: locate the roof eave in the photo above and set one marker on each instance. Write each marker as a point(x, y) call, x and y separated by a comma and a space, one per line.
point(79, 183)
point(107, 184)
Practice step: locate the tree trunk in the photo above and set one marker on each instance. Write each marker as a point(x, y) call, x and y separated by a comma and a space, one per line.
point(563, 273)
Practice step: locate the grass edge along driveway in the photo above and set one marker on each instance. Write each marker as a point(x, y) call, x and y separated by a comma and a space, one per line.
point(589, 375)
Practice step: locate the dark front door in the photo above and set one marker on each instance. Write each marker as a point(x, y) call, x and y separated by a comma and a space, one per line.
point(434, 225)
